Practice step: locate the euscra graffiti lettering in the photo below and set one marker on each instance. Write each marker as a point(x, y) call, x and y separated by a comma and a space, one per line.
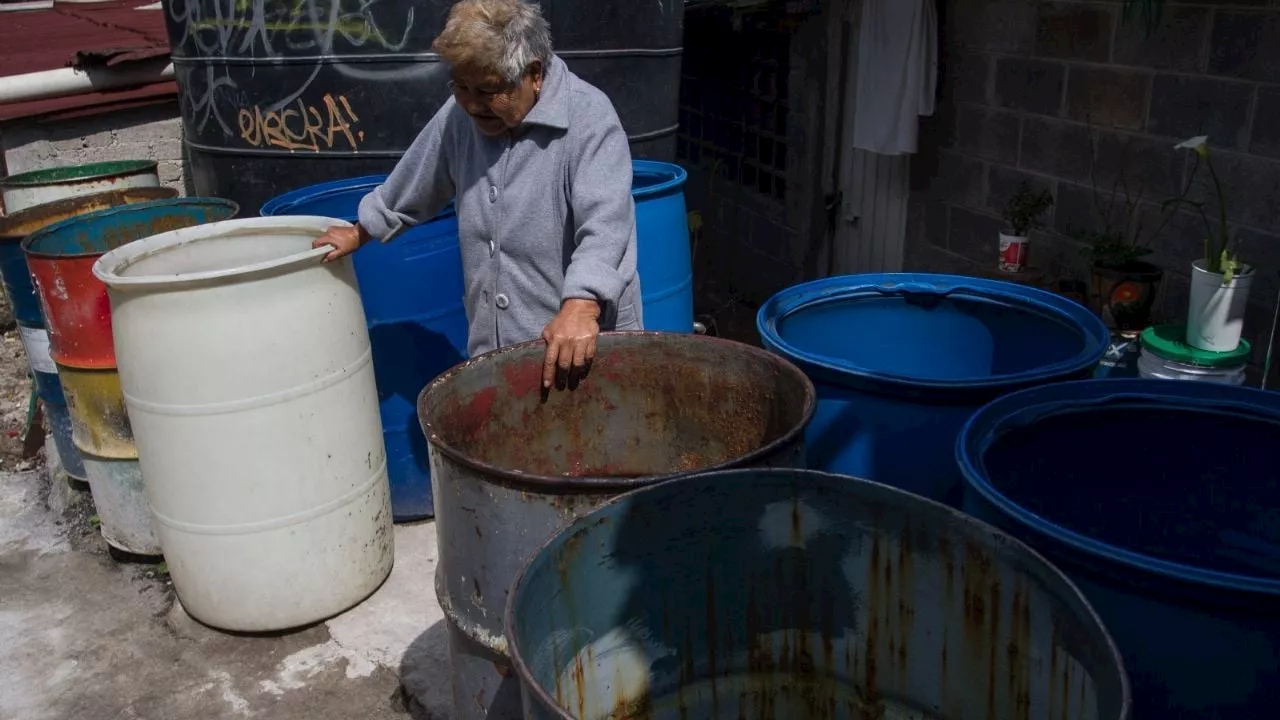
point(303, 127)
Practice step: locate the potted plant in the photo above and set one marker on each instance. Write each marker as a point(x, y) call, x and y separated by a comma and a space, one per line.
point(1123, 286)
point(1022, 214)
point(1220, 283)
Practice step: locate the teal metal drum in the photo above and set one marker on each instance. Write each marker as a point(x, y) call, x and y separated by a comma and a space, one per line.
point(768, 593)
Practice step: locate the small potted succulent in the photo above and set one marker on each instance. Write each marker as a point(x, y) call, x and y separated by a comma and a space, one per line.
point(1022, 214)
point(1220, 282)
point(1122, 285)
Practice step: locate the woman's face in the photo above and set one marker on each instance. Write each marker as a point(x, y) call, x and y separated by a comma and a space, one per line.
point(494, 104)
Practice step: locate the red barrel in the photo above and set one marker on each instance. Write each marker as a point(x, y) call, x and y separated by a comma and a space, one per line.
point(75, 303)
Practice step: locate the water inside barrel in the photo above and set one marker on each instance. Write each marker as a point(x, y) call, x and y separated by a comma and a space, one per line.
point(761, 696)
point(1193, 487)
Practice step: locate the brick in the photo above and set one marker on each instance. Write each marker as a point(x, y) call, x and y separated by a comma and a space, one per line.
point(966, 77)
point(1251, 184)
point(1262, 251)
point(930, 258)
point(756, 277)
point(1266, 131)
point(942, 127)
point(1246, 45)
point(1073, 31)
point(974, 235)
point(1031, 85)
point(1151, 168)
point(1177, 43)
point(1059, 257)
point(1080, 210)
point(1171, 302)
point(1176, 237)
point(1182, 107)
point(1108, 97)
point(959, 179)
point(936, 219)
point(771, 240)
point(1053, 147)
point(1003, 182)
point(1003, 26)
point(990, 134)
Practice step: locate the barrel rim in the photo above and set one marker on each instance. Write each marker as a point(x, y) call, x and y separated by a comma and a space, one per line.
point(15, 226)
point(804, 296)
point(677, 177)
point(108, 267)
point(877, 490)
point(282, 204)
point(29, 243)
point(602, 484)
point(60, 174)
point(975, 438)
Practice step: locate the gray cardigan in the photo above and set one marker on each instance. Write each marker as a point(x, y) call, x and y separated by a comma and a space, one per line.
point(545, 213)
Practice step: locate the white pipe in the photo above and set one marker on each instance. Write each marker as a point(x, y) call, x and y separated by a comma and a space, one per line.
point(74, 81)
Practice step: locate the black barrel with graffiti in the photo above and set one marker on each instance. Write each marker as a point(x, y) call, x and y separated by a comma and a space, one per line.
point(281, 93)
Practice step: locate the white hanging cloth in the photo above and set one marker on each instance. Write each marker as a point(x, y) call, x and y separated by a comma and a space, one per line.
point(897, 74)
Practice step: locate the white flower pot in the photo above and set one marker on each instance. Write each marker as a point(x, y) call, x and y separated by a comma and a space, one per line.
point(1215, 312)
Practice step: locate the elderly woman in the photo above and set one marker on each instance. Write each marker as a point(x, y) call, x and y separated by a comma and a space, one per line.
point(540, 171)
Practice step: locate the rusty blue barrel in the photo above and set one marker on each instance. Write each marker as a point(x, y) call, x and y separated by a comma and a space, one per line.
point(772, 593)
point(1160, 499)
point(511, 464)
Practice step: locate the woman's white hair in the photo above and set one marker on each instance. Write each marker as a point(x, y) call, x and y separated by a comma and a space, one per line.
point(503, 36)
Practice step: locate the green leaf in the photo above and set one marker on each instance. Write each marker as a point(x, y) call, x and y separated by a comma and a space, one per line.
point(95, 520)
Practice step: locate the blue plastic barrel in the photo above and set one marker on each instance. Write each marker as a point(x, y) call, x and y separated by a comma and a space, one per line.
point(772, 593)
point(35, 341)
point(662, 244)
point(412, 291)
point(1162, 501)
point(900, 362)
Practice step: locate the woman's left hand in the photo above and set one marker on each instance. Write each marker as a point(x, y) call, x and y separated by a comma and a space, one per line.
point(571, 342)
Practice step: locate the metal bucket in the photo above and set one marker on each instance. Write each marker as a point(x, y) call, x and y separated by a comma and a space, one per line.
point(38, 187)
point(76, 307)
point(511, 465)
point(1160, 500)
point(14, 228)
point(765, 593)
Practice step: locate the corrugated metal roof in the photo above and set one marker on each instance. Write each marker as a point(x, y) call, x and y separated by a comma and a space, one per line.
point(82, 34)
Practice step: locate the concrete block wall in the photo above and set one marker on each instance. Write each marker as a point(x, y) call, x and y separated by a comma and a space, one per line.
point(751, 129)
point(146, 133)
point(1032, 89)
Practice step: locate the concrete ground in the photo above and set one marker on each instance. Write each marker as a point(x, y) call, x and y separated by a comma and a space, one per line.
point(86, 637)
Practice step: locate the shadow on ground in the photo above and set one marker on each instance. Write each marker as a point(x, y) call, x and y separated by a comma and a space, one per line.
point(424, 675)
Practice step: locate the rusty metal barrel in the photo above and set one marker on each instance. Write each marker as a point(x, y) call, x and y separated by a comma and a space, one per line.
point(769, 593)
point(14, 228)
point(78, 312)
point(511, 464)
point(50, 184)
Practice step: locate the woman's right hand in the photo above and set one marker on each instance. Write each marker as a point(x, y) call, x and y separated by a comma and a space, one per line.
point(344, 241)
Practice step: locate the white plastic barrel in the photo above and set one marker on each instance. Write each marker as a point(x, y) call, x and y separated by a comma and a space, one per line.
point(248, 377)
